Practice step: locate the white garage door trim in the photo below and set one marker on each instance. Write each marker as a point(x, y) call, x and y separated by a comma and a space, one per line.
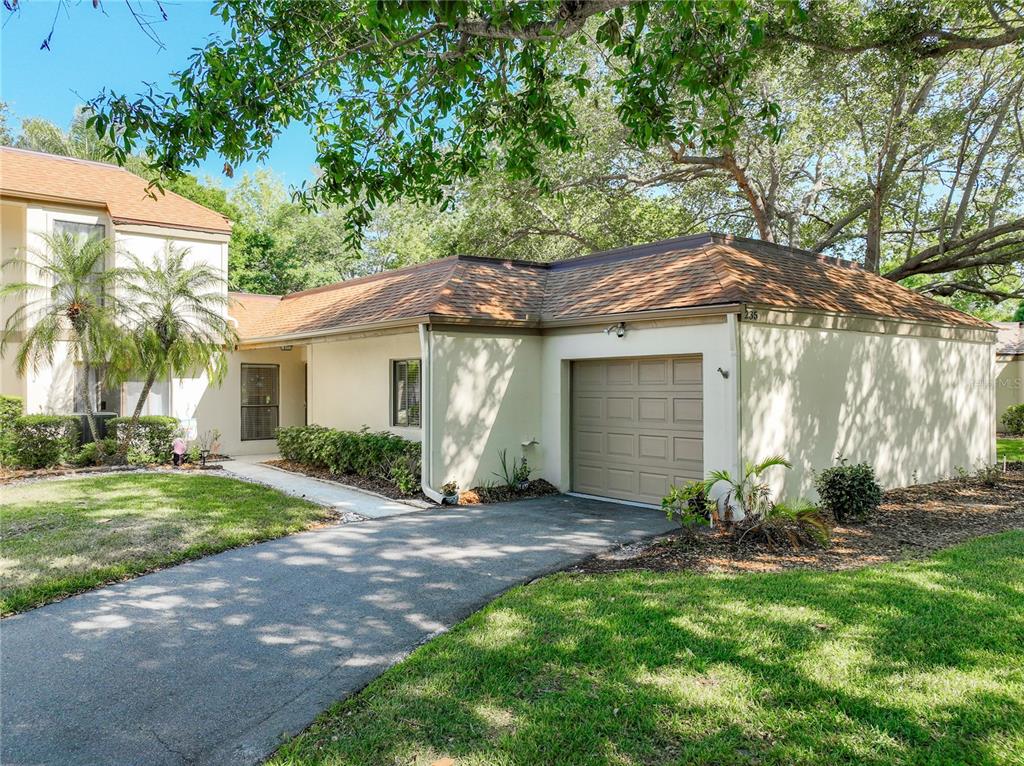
point(637, 426)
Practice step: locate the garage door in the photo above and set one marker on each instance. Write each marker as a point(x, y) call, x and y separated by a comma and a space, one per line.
point(637, 426)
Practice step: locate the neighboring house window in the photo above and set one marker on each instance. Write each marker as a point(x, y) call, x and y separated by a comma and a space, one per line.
point(405, 392)
point(104, 398)
point(260, 399)
point(82, 232)
point(157, 403)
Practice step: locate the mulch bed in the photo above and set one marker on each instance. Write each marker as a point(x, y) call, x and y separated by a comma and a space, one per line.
point(911, 523)
point(378, 486)
point(10, 477)
point(503, 494)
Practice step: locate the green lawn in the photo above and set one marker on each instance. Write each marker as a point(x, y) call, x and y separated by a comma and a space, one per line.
point(60, 537)
point(914, 663)
point(1011, 449)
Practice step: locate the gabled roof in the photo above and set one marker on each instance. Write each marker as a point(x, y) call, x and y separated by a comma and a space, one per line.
point(1009, 338)
point(706, 270)
point(48, 177)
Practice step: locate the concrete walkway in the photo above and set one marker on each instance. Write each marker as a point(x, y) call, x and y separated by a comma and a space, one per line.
point(212, 661)
point(326, 493)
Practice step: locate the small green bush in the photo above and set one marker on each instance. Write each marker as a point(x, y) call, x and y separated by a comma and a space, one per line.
point(688, 504)
point(140, 456)
point(41, 441)
point(11, 408)
point(88, 455)
point(1013, 420)
point(849, 491)
point(370, 454)
point(153, 435)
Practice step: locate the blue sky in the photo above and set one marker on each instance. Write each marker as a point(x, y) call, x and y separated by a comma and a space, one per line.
point(93, 49)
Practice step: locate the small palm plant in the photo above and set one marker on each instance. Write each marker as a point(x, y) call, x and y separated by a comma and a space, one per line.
point(753, 495)
point(179, 321)
point(73, 303)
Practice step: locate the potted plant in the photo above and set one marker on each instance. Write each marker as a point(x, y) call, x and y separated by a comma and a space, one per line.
point(450, 493)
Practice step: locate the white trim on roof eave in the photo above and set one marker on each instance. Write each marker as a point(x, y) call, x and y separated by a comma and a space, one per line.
point(276, 340)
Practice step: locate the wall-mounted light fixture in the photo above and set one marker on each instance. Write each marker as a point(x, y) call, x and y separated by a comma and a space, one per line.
point(619, 330)
point(723, 373)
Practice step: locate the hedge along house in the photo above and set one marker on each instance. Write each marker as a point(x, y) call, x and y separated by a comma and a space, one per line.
point(47, 194)
point(620, 373)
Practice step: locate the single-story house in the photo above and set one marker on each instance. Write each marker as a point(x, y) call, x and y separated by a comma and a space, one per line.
point(1009, 365)
point(619, 373)
point(615, 374)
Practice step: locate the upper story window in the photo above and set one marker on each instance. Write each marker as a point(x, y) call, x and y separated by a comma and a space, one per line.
point(80, 231)
point(405, 392)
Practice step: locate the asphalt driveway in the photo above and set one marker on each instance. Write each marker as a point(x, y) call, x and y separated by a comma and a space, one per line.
point(213, 661)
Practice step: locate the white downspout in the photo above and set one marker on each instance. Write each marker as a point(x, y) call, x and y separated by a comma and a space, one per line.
point(426, 413)
point(737, 409)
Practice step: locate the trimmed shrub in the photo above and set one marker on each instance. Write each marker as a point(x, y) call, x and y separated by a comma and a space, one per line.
point(371, 454)
point(41, 441)
point(849, 491)
point(10, 410)
point(1013, 420)
point(153, 435)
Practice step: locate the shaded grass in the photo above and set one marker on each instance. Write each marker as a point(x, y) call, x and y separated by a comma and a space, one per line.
point(61, 537)
point(1011, 449)
point(912, 663)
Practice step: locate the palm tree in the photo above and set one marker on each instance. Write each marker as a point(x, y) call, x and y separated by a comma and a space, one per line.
point(180, 321)
point(73, 304)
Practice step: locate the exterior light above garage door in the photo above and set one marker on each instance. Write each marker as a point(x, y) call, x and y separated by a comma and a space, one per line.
point(619, 330)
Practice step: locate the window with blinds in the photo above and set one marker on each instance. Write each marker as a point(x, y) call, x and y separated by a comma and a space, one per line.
point(82, 233)
point(405, 392)
point(260, 401)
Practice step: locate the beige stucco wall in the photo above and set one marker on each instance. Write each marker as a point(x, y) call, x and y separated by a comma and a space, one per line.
point(12, 245)
point(711, 337)
point(203, 407)
point(485, 396)
point(350, 381)
point(916, 408)
point(1009, 384)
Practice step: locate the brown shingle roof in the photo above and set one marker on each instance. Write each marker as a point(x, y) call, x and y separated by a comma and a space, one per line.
point(249, 310)
point(1010, 338)
point(34, 175)
point(688, 272)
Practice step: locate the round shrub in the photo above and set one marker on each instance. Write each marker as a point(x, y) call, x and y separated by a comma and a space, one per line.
point(153, 436)
point(1013, 420)
point(849, 491)
point(41, 441)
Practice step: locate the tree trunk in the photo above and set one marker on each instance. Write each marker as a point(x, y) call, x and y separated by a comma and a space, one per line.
point(873, 248)
point(757, 206)
point(133, 424)
point(90, 415)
